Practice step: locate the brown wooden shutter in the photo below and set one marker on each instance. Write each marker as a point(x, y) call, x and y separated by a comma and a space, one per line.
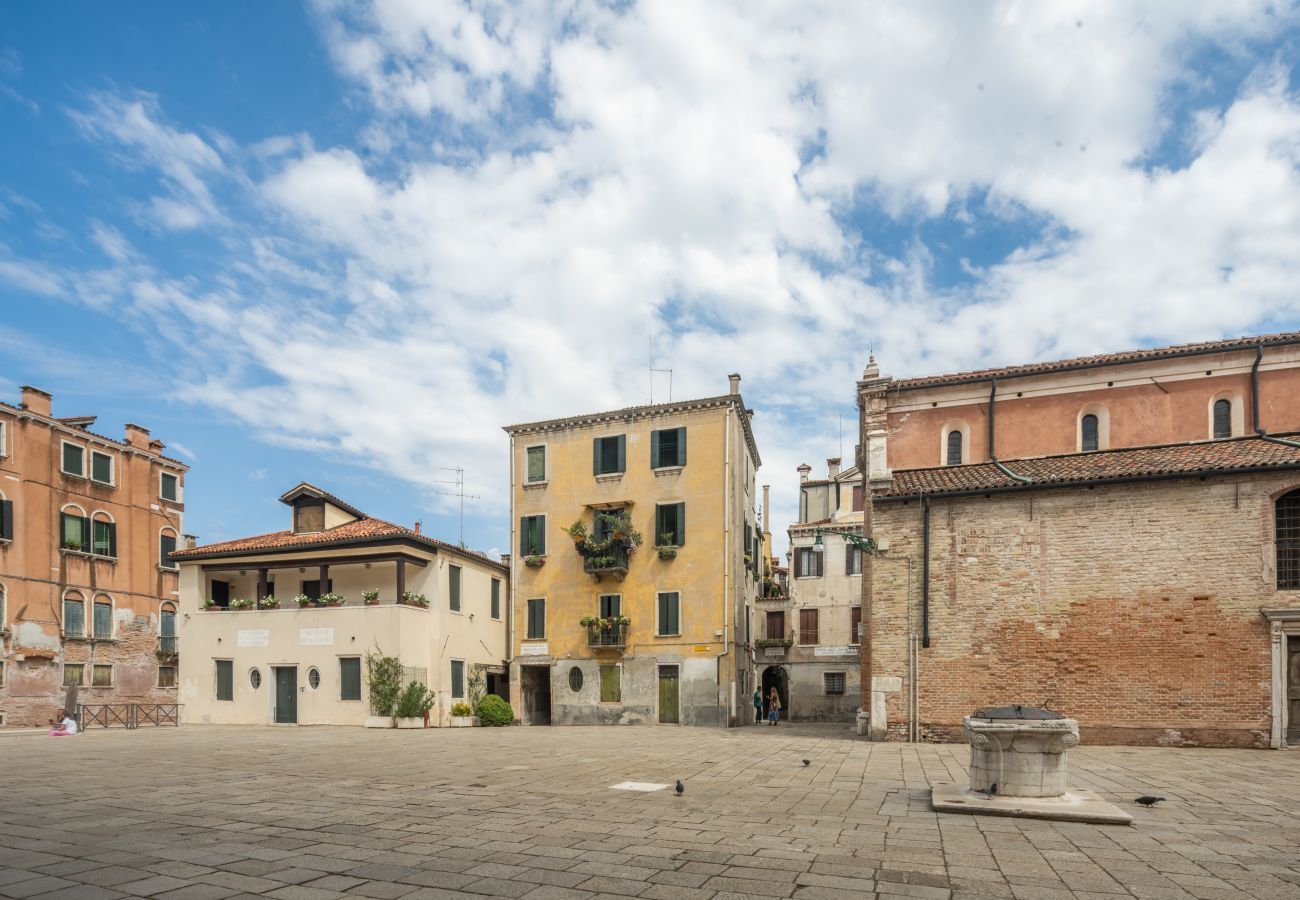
point(798, 562)
point(808, 627)
point(857, 498)
point(855, 625)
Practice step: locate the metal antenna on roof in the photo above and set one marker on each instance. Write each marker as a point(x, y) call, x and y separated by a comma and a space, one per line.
point(653, 370)
point(459, 492)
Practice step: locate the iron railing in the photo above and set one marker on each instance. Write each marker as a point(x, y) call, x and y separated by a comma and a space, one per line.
point(168, 645)
point(127, 715)
point(614, 636)
point(609, 562)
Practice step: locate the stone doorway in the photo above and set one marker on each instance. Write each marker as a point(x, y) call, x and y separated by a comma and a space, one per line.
point(535, 683)
point(1293, 691)
point(1284, 638)
point(777, 677)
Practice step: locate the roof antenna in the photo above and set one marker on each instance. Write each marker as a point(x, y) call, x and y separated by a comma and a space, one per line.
point(459, 492)
point(653, 370)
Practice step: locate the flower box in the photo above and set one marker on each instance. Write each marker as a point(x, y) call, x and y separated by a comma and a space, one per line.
point(410, 722)
point(379, 721)
point(463, 721)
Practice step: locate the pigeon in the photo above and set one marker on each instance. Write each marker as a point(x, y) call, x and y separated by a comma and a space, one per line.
point(990, 790)
point(1148, 802)
point(807, 762)
point(681, 788)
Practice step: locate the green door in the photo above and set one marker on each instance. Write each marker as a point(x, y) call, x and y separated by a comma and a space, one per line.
point(668, 695)
point(286, 695)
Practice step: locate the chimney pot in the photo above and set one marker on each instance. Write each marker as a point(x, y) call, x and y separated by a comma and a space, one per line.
point(137, 436)
point(189, 542)
point(804, 471)
point(36, 400)
point(734, 378)
point(417, 527)
point(833, 467)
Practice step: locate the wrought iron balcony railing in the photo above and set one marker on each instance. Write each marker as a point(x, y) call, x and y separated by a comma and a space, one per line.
point(613, 636)
point(608, 562)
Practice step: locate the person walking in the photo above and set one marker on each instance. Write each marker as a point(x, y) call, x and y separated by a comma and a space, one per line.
point(774, 708)
point(758, 705)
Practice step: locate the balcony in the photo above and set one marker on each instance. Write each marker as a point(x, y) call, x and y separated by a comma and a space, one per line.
point(774, 647)
point(168, 648)
point(612, 561)
point(611, 637)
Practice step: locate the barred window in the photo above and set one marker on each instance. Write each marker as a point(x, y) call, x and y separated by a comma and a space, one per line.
point(833, 682)
point(954, 448)
point(1288, 541)
point(1222, 419)
point(1088, 439)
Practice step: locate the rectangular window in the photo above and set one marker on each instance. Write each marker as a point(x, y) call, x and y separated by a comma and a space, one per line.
point(609, 454)
point(225, 679)
point(833, 682)
point(4, 435)
point(75, 532)
point(457, 679)
point(808, 627)
point(532, 536)
point(611, 605)
point(6, 520)
point(855, 625)
point(221, 593)
point(611, 684)
point(536, 619)
point(73, 673)
point(453, 587)
point(536, 464)
point(776, 625)
point(101, 676)
point(166, 547)
point(668, 448)
point(852, 560)
point(350, 678)
point(166, 676)
point(74, 618)
point(670, 614)
point(807, 563)
point(670, 524)
point(103, 538)
point(103, 620)
point(496, 598)
point(857, 498)
point(167, 631)
point(74, 460)
point(310, 588)
point(169, 486)
point(101, 467)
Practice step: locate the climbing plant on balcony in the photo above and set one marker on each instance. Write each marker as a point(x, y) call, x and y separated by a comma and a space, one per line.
point(616, 528)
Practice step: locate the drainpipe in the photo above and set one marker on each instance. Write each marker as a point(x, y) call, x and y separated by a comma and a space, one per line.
point(925, 572)
point(1254, 402)
point(993, 457)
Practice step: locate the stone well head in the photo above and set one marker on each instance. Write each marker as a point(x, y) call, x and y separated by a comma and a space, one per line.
point(1021, 749)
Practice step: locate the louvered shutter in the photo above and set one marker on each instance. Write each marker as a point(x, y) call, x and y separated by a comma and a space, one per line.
point(595, 456)
point(681, 446)
point(6, 520)
point(112, 539)
point(654, 449)
point(681, 524)
point(798, 563)
point(622, 453)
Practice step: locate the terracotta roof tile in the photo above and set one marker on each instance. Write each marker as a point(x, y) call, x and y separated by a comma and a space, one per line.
point(1103, 359)
point(1201, 458)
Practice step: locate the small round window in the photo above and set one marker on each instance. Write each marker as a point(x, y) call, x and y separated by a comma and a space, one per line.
point(575, 679)
point(313, 677)
point(255, 678)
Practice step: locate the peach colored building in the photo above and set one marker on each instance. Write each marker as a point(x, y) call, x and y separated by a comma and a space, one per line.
point(87, 590)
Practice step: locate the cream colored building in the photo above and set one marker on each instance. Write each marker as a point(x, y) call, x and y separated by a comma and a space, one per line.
point(292, 664)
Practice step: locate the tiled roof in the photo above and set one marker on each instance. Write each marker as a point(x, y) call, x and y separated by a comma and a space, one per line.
point(18, 410)
point(1173, 460)
point(364, 530)
point(1104, 359)
point(305, 487)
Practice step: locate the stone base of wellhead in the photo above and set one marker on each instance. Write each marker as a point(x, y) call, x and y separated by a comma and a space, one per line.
point(1072, 806)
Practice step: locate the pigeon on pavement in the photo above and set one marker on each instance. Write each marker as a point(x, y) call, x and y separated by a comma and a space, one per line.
point(990, 790)
point(1148, 801)
point(807, 762)
point(681, 788)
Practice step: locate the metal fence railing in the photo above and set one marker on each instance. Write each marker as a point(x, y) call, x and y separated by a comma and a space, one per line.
point(127, 715)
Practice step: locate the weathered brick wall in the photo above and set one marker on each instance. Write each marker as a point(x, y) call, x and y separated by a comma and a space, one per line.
point(1133, 608)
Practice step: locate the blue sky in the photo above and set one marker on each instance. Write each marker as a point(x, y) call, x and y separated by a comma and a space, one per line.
point(345, 243)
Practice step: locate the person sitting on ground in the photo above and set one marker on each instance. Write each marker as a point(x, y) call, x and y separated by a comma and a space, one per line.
point(63, 728)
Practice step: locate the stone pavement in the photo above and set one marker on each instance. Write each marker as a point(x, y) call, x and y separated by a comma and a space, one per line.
point(306, 813)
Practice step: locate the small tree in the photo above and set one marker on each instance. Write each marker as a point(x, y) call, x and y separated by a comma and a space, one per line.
point(415, 701)
point(385, 674)
point(492, 710)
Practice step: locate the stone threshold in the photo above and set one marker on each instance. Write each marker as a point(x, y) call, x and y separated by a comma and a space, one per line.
point(1074, 806)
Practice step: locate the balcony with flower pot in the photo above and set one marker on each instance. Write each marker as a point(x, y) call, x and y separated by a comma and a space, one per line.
point(609, 633)
point(608, 548)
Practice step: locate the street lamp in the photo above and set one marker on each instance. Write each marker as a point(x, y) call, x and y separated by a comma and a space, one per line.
point(865, 544)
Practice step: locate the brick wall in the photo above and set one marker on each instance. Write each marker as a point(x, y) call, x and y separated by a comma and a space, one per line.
point(1133, 608)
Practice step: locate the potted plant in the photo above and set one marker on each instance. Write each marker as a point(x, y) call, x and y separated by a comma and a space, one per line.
point(332, 599)
point(385, 676)
point(268, 603)
point(667, 549)
point(370, 598)
point(413, 706)
point(212, 604)
point(462, 716)
point(533, 561)
point(302, 600)
point(578, 531)
point(410, 598)
point(241, 603)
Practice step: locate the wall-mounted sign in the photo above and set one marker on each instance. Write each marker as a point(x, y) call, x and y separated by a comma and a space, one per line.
point(834, 651)
point(774, 652)
point(534, 649)
point(253, 637)
point(701, 648)
point(315, 637)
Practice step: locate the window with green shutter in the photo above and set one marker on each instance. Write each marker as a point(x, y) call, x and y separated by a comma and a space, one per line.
point(350, 678)
point(74, 616)
point(536, 464)
point(101, 467)
point(75, 532)
point(611, 684)
point(609, 455)
point(670, 524)
point(536, 619)
point(670, 614)
point(166, 547)
point(225, 679)
point(103, 620)
point(496, 598)
point(532, 535)
point(453, 587)
point(6, 520)
point(457, 679)
point(103, 538)
point(74, 460)
point(668, 448)
point(169, 486)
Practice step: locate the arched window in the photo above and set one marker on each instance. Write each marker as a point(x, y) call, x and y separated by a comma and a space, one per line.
point(954, 448)
point(103, 535)
point(1222, 419)
point(74, 529)
point(167, 629)
point(1287, 534)
point(102, 622)
point(167, 546)
point(1088, 432)
point(74, 614)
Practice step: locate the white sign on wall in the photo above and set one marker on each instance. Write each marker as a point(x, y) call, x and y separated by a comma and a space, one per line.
point(315, 637)
point(534, 649)
point(834, 651)
point(253, 637)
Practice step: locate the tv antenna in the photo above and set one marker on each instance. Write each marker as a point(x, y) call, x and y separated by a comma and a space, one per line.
point(653, 370)
point(459, 492)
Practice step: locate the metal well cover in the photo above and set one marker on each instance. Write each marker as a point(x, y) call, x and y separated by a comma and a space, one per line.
point(1016, 711)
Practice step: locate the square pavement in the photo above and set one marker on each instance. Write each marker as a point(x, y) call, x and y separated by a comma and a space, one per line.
point(304, 813)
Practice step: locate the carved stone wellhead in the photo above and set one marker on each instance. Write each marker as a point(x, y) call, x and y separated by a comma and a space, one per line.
point(1024, 757)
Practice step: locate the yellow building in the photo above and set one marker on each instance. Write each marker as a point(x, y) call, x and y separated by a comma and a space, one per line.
point(611, 630)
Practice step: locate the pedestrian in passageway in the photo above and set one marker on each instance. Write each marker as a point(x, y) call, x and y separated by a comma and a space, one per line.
point(758, 705)
point(774, 708)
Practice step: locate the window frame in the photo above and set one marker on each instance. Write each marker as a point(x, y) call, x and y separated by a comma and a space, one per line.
point(4, 438)
point(1286, 545)
point(176, 479)
point(96, 521)
point(170, 668)
point(1084, 436)
point(599, 453)
point(843, 684)
point(807, 552)
point(169, 565)
point(95, 605)
point(494, 607)
point(463, 679)
point(217, 665)
point(659, 608)
point(6, 519)
point(948, 452)
point(617, 669)
point(112, 467)
point(95, 668)
point(81, 674)
point(529, 481)
point(526, 545)
point(344, 679)
point(455, 579)
point(855, 626)
point(63, 458)
point(679, 524)
point(656, 448)
point(64, 515)
point(78, 599)
point(528, 618)
point(601, 606)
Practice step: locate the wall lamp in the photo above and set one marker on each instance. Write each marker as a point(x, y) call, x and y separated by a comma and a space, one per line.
point(866, 544)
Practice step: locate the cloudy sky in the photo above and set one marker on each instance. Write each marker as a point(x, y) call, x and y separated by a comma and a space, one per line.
point(347, 242)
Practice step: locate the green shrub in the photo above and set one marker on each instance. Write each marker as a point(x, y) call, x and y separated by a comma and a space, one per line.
point(462, 709)
point(385, 676)
point(492, 710)
point(415, 701)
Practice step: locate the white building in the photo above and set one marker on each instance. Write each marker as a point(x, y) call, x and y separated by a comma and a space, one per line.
point(247, 659)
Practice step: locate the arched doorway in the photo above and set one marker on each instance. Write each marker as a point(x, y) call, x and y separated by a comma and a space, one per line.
point(777, 677)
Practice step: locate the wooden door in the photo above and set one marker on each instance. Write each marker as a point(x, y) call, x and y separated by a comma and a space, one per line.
point(286, 695)
point(1293, 691)
point(669, 695)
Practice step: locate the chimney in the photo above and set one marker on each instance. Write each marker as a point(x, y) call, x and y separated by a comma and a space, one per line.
point(157, 447)
point(36, 400)
point(417, 526)
point(505, 560)
point(734, 378)
point(804, 471)
point(137, 437)
point(833, 467)
point(189, 542)
point(766, 518)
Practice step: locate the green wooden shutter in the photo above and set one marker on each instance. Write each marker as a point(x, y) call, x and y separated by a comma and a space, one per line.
point(6, 520)
point(681, 446)
point(496, 598)
point(681, 524)
point(610, 687)
point(225, 679)
point(350, 678)
point(595, 456)
point(112, 539)
point(654, 449)
point(524, 525)
point(539, 534)
point(453, 584)
point(622, 453)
